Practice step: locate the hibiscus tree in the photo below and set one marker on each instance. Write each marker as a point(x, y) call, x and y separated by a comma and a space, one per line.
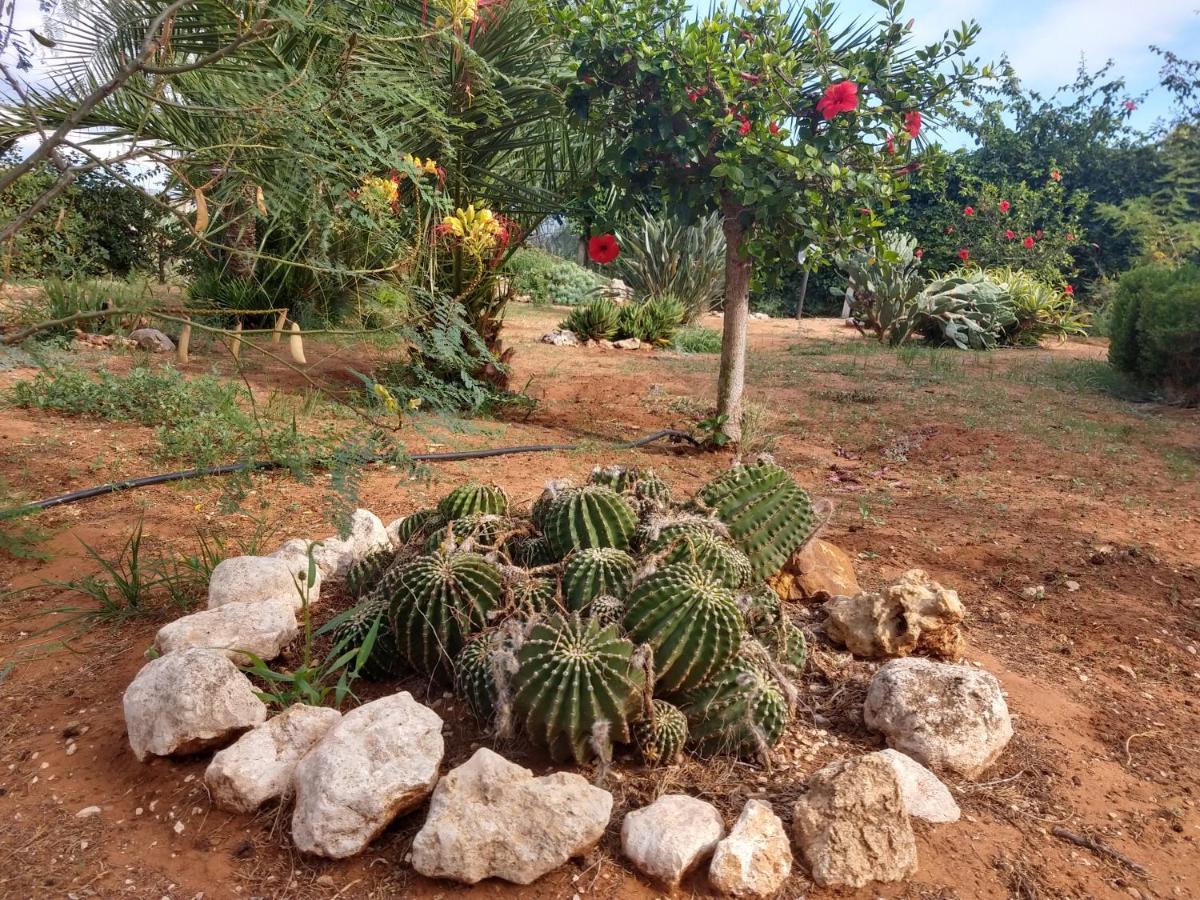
point(798, 129)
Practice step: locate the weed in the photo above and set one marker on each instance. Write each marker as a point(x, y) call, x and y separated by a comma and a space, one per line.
point(1079, 376)
point(756, 434)
point(697, 340)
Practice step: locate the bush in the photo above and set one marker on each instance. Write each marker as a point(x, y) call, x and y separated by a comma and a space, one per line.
point(884, 282)
point(666, 256)
point(1154, 327)
point(652, 321)
point(1040, 310)
point(698, 340)
point(595, 321)
point(545, 278)
point(966, 309)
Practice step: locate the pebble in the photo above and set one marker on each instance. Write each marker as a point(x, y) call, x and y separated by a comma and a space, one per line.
point(87, 812)
point(71, 748)
point(179, 826)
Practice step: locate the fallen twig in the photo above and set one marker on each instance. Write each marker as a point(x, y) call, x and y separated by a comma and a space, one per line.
point(1099, 848)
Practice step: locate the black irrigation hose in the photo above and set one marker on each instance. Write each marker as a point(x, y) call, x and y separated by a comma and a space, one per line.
point(266, 465)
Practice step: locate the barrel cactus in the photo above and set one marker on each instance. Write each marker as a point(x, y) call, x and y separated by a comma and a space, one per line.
point(607, 610)
point(595, 571)
point(467, 533)
point(641, 484)
point(690, 620)
point(767, 514)
point(688, 542)
point(577, 686)
point(417, 525)
point(482, 659)
point(529, 596)
point(546, 499)
point(473, 498)
point(660, 737)
point(742, 711)
point(787, 646)
point(529, 551)
point(588, 516)
point(365, 573)
point(350, 631)
point(438, 602)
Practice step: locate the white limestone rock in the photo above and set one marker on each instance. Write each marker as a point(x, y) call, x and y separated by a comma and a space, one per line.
point(924, 794)
point(672, 836)
point(189, 701)
point(947, 717)
point(379, 761)
point(249, 579)
point(490, 818)
point(262, 627)
point(259, 766)
point(756, 858)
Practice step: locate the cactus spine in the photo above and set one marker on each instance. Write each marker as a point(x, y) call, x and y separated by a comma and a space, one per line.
point(383, 660)
point(577, 687)
point(589, 516)
point(593, 572)
point(742, 711)
point(365, 573)
point(688, 542)
point(691, 621)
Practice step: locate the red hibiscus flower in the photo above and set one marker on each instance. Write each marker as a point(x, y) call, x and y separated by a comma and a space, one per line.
point(968, 210)
point(919, 253)
point(693, 96)
point(1069, 290)
point(840, 97)
point(1005, 206)
point(964, 254)
point(748, 77)
point(774, 128)
point(744, 128)
point(912, 123)
point(890, 144)
point(1070, 236)
point(603, 249)
point(1055, 175)
point(1028, 242)
point(1009, 235)
point(1130, 106)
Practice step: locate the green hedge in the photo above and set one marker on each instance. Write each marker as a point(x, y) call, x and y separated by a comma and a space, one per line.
point(1154, 328)
point(546, 278)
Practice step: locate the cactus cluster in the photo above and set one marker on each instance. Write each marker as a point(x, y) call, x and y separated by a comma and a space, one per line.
point(607, 614)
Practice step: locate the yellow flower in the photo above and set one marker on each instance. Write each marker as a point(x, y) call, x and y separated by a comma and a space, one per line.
point(462, 10)
point(477, 229)
point(378, 195)
point(414, 402)
point(385, 395)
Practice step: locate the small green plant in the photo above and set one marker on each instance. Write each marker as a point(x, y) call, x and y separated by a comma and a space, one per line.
point(594, 321)
point(693, 339)
point(710, 432)
point(657, 319)
point(1040, 311)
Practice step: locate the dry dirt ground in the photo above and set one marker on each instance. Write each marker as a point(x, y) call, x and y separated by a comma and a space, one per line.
point(994, 472)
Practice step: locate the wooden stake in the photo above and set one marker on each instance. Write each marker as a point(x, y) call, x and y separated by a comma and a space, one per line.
point(280, 321)
point(296, 345)
point(235, 346)
point(181, 348)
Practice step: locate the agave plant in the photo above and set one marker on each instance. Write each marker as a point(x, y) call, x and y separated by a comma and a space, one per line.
point(884, 283)
point(966, 309)
point(595, 321)
point(668, 256)
point(1040, 310)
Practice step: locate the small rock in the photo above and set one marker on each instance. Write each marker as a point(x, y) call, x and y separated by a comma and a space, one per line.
point(1034, 592)
point(379, 761)
point(913, 614)
point(259, 766)
point(1072, 586)
point(671, 836)
point(817, 571)
point(189, 701)
point(152, 339)
point(561, 338)
point(367, 534)
point(944, 716)
point(851, 825)
point(262, 627)
point(604, 344)
point(490, 818)
point(924, 794)
point(756, 859)
point(628, 344)
point(333, 556)
point(249, 579)
point(87, 812)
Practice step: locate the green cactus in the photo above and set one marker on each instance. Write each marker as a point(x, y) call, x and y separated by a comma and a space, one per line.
point(695, 543)
point(365, 573)
point(529, 596)
point(651, 488)
point(767, 514)
point(437, 602)
point(787, 646)
point(595, 571)
point(588, 516)
point(607, 610)
point(468, 533)
point(473, 498)
point(742, 711)
point(577, 686)
point(690, 620)
point(415, 526)
point(529, 551)
point(476, 668)
point(642, 484)
point(350, 632)
point(546, 499)
point(661, 737)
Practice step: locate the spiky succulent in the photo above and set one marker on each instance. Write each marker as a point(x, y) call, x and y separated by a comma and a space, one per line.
point(546, 499)
point(641, 484)
point(365, 573)
point(690, 620)
point(787, 646)
point(476, 667)
point(606, 610)
point(417, 525)
point(588, 516)
point(354, 626)
point(696, 543)
point(661, 737)
point(767, 514)
point(595, 571)
point(472, 499)
point(742, 711)
point(529, 596)
point(438, 602)
point(529, 551)
point(577, 686)
point(468, 533)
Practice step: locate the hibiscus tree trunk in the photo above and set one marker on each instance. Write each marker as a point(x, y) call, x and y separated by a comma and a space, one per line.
point(732, 378)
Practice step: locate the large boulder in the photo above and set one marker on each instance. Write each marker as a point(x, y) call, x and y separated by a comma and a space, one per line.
point(672, 836)
point(258, 766)
point(756, 859)
point(490, 818)
point(262, 627)
point(249, 579)
point(851, 826)
point(924, 794)
point(379, 761)
point(189, 701)
point(947, 717)
point(913, 614)
point(367, 533)
point(817, 571)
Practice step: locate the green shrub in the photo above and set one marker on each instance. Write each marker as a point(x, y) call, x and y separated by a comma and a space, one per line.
point(664, 255)
point(545, 278)
point(694, 339)
point(1040, 310)
point(595, 321)
point(884, 283)
point(1155, 328)
point(68, 296)
point(652, 321)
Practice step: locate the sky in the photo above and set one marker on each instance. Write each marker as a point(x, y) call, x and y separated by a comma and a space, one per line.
point(1046, 39)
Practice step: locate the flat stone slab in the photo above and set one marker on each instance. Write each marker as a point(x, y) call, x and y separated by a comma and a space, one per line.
point(262, 627)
